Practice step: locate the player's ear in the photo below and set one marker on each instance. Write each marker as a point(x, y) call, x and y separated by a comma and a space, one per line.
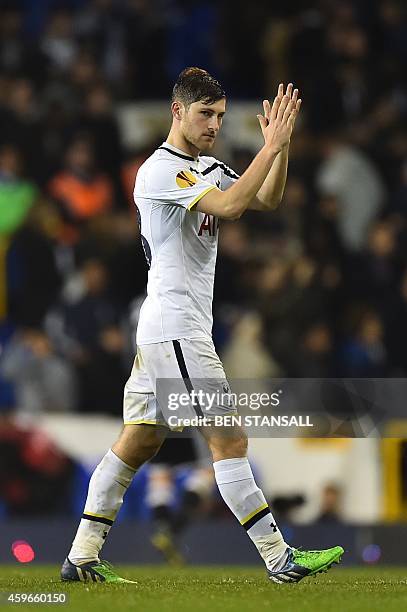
point(176, 109)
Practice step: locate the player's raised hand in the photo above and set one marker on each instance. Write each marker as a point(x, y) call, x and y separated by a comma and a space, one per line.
point(278, 120)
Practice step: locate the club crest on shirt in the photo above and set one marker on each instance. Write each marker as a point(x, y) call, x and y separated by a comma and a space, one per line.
point(185, 179)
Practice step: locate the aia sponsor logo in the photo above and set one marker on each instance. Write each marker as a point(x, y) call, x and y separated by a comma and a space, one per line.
point(209, 224)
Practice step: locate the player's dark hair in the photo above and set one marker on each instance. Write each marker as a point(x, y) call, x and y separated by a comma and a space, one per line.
point(197, 85)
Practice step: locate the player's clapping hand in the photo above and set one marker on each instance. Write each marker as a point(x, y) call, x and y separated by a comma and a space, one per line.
point(278, 120)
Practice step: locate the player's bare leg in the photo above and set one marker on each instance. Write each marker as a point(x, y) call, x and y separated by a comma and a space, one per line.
point(240, 492)
point(109, 482)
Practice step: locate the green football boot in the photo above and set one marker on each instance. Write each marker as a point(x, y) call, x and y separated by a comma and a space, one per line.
point(95, 571)
point(302, 563)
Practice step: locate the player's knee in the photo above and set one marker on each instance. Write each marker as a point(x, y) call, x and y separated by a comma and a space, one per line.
point(228, 447)
point(145, 450)
point(135, 447)
point(238, 446)
point(140, 454)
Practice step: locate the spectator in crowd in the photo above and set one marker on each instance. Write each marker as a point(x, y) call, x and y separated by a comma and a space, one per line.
point(376, 271)
point(247, 339)
point(315, 358)
point(85, 326)
point(330, 508)
point(101, 25)
point(99, 122)
point(349, 176)
point(114, 237)
point(234, 248)
point(43, 381)
point(364, 353)
point(58, 43)
point(80, 189)
point(21, 124)
point(33, 277)
point(17, 195)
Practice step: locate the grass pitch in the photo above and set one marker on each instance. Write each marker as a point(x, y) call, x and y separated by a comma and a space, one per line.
point(215, 589)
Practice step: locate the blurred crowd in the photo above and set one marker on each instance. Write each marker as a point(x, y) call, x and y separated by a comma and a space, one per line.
point(316, 289)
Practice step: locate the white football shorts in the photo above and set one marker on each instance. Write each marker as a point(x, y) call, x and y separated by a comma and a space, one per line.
point(176, 381)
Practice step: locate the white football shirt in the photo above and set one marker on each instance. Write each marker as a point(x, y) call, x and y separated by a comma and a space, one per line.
point(179, 242)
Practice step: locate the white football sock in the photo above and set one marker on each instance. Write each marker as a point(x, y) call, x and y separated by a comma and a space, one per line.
point(240, 492)
point(108, 484)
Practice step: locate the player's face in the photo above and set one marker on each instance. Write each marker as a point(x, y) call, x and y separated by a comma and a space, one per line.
point(201, 123)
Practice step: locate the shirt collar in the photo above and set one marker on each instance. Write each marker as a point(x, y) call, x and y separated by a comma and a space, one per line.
point(178, 152)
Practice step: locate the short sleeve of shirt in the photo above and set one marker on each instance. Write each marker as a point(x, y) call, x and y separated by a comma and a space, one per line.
point(172, 184)
point(225, 176)
point(228, 176)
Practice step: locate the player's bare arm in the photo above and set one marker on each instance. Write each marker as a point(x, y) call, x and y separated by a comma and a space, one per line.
point(271, 192)
point(233, 202)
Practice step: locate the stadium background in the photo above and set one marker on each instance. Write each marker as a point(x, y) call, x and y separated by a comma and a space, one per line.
point(317, 289)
